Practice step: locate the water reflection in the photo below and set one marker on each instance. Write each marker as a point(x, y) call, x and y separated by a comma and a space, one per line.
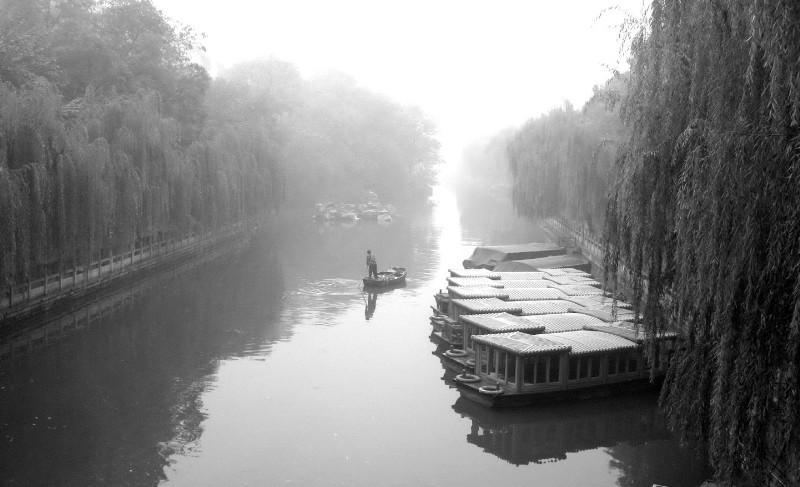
point(324, 263)
point(549, 433)
point(372, 302)
point(370, 297)
point(262, 366)
point(629, 428)
point(110, 404)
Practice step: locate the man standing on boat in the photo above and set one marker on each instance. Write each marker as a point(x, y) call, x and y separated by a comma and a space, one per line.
point(372, 265)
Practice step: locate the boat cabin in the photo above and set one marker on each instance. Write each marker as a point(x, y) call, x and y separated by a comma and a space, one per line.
point(475, 292)
point(523, 294)
point(607, 313)
point(524, 363)
point(473, 273)
point(492, 323)
point(524, 276)
point(520, 276)
point(474, 282)
point(460, 307)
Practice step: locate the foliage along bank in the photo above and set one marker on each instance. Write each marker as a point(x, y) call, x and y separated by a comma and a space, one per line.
point(110, 136)
point(705, 206)
point(702, 207)
point(560, 161)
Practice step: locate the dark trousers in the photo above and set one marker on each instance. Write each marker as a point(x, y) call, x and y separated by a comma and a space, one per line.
point(373, 270)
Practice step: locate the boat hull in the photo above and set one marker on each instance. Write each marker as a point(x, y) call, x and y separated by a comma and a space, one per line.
point(391, 278)
point(471, 392)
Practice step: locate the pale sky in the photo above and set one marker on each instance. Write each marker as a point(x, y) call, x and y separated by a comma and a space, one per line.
point(474, 67)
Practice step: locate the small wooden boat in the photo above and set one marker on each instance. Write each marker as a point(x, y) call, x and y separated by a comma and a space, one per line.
point(392, 277)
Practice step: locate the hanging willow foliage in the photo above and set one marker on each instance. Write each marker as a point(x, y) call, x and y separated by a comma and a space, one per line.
point(113, 175)
point(704, 214)
point(9, 206)
point(560, 161)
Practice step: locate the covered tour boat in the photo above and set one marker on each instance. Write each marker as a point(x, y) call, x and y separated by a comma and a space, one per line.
point(517, 368)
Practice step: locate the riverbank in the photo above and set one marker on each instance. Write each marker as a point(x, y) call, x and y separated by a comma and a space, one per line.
point(20, 303)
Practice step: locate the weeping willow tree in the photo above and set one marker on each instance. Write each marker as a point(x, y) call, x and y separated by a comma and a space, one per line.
point(29, 136)
point(114, 175)
point(132, 159)
point(704, 218)
point(560, 161)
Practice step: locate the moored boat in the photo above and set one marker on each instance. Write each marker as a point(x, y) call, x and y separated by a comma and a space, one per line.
point(517, 368)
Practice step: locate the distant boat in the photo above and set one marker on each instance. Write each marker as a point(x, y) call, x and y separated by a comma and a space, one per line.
point(392, 277)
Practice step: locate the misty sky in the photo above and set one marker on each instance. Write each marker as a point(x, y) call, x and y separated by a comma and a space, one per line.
point(475, 67)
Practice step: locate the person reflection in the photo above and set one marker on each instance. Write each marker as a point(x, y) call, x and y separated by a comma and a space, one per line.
point(372, 301)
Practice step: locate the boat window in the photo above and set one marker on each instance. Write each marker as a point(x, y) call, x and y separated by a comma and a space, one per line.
point(612, 363)
point(511, 368)
point(555, 368)
point(502, 357)
point(541, 369)
point(632, 363)
point(596, 362)
point(492, 360)
point(529, 370)
point(583, 372)
point(483, 359)
point(574, 367)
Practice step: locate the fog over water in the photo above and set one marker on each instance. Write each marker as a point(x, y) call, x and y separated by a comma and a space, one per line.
point(475, 68)
point(262, 368)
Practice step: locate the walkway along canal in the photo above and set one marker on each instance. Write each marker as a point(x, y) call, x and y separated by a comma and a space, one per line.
point(22, 301)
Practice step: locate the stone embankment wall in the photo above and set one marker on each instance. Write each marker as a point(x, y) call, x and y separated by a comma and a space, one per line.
point(22, 301)
point(571, 235)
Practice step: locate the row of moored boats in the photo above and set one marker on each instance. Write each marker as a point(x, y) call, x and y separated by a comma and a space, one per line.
point(517, 338)
point(353, 212)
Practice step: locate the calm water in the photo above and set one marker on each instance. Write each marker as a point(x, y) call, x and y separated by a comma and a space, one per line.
point(270, 367)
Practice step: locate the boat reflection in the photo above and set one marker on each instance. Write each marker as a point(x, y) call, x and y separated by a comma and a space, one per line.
point(372, 301)
point(370, 296)
point(550, 433)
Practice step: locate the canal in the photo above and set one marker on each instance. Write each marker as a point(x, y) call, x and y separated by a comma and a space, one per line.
point(269, 366)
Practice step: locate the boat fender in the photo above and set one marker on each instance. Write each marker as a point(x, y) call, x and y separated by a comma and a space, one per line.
point(455, 352)
point(467, 378)
point(490, 390)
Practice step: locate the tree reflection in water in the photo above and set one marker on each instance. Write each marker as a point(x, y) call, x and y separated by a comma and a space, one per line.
point(110, 403)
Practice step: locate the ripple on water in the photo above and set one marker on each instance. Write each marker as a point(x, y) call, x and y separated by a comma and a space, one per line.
point(317, 301)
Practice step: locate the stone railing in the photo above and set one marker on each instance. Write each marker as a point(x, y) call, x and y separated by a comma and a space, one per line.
point(25, 298)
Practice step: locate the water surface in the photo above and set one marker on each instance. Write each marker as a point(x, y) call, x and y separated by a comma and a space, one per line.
point(272, 367)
